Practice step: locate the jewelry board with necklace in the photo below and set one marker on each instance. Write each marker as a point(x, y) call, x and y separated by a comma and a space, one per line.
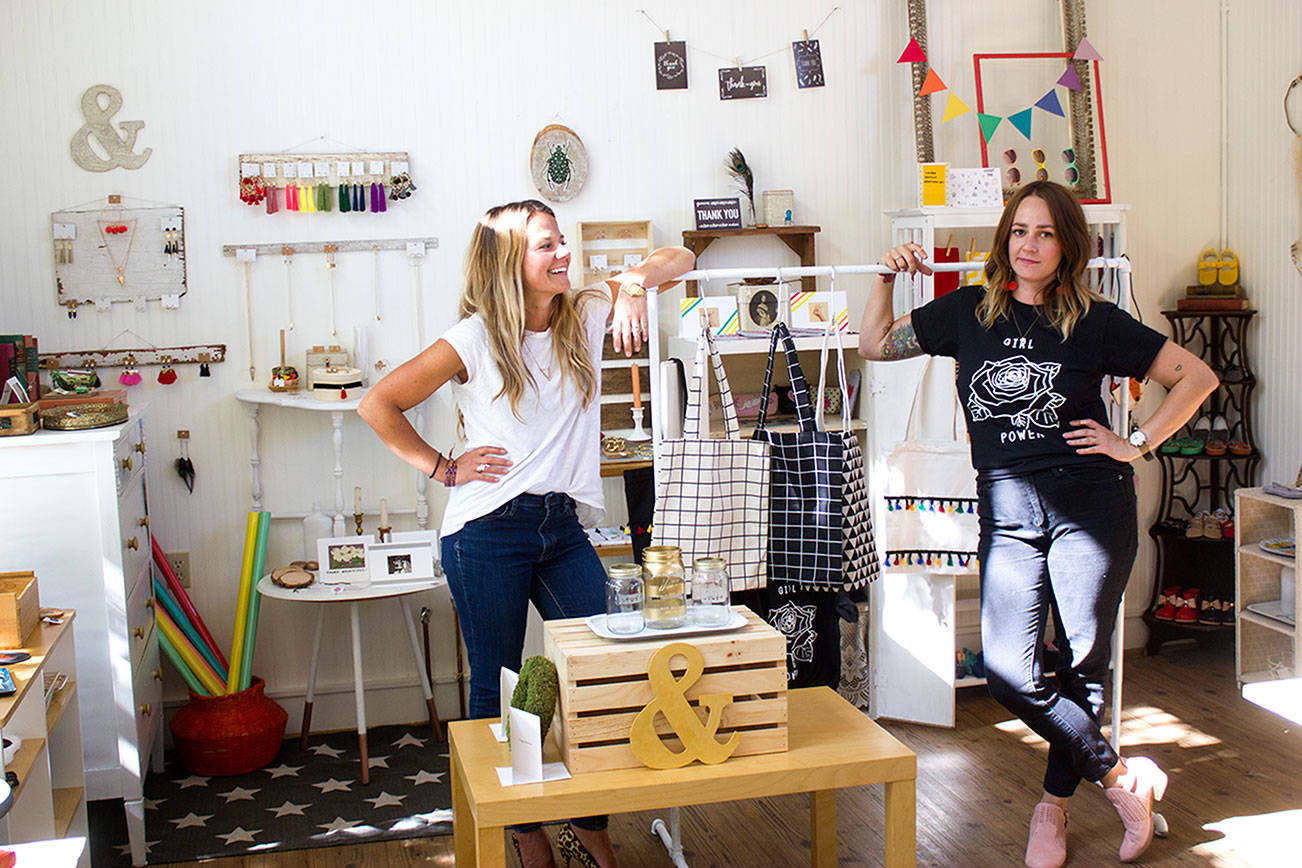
point(107, 251)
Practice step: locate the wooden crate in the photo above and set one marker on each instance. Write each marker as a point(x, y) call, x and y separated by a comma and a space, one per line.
point(19, 419)
point(20, 609)
point(603, 686)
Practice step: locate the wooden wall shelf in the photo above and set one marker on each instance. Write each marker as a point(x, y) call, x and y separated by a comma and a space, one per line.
point(799, 238)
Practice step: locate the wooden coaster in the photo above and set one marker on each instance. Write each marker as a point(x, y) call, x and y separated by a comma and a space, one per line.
point(292, 577)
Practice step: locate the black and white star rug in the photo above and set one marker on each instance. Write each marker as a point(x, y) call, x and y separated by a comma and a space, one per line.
point(304, 798)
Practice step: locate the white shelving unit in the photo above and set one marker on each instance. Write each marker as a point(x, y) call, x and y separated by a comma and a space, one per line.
point(50, 799)
point(1266, 638)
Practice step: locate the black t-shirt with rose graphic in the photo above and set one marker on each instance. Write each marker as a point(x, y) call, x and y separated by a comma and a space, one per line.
point(1021, 384)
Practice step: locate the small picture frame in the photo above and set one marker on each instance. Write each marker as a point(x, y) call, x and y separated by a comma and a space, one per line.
point(758, 305)
point(815, 310)
point(343, 559)
point(401, 561)
point(719, 311)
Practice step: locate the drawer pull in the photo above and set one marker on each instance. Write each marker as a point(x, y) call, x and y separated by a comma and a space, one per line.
point(126, 462)
point(144, 521)
point(140, 447)
point(147, 709)
point(139, 632)
point(149, 604)
point(133, 544)
point(158, 674)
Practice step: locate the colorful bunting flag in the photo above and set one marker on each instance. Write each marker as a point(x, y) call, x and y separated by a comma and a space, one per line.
point(1085, 51)
point(954, 108)
point(932, 84)
point(1070, 79)
point(913, 54)
point(1022, 121)
point(989, 123)
point(1049, 102)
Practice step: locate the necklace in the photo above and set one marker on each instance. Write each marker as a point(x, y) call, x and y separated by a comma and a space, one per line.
point(546, 369)
point(130, 232)
point(1022, 332)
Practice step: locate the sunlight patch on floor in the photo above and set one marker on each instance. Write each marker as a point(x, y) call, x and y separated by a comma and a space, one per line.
point(1142, 725)
point(1260, 839)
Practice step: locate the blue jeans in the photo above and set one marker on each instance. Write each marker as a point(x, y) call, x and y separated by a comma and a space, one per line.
point(530, 548)
point(1056, 543)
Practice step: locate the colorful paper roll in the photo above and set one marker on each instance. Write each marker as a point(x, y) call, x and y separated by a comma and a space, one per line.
point(251, 621)
point(173, 609)
point(198, 666)
point(183, 599)
point(190, 680)
point(242, 602)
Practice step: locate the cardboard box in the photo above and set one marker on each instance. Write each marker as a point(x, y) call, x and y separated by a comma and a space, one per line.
point(603, 686)
point(20, 609)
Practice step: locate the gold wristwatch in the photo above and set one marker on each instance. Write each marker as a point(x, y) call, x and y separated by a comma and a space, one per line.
point(633, 290)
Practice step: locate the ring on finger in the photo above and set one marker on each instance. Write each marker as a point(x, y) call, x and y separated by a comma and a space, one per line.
point(481, 467)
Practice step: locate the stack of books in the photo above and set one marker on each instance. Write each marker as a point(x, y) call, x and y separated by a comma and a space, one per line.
point(19, 358)
point(1216, 297)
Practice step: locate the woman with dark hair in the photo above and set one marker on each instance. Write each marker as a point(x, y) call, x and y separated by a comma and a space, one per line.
point(524, 361)
point(1055, 489)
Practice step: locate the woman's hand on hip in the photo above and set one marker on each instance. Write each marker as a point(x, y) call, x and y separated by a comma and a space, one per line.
point(483, 463)
point(1091, 438)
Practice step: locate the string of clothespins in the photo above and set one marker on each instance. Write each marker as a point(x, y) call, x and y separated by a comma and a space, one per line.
point(734, 58)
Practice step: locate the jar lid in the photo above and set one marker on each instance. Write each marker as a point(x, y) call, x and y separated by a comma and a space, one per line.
point(662, 553)
point(624, 571)
point(709, 563)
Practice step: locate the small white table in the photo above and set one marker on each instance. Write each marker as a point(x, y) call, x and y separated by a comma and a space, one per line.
point(353, 595)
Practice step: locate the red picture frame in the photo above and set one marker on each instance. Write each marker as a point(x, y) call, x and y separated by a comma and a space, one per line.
point(1101, 163)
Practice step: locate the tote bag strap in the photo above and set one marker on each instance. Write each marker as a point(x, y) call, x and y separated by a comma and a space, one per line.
point(936, 377)
point(796, 376)
point(697, 392)
point(840, 365)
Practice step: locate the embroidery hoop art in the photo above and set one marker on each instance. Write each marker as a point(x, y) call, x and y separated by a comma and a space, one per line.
point(558, 163)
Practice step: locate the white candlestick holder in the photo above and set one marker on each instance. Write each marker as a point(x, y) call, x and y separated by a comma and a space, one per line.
point(639, 433)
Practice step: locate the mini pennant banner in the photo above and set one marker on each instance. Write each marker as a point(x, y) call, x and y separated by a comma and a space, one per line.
point(1070, 79)
point(953, 108)
point(1022, 121)
point(1049, 102)
point(989, 123)
point(920, 558)
point(913, 53)
point(1085, 51)
point(932, 84)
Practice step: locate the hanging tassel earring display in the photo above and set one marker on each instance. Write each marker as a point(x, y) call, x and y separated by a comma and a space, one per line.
point(184, 466)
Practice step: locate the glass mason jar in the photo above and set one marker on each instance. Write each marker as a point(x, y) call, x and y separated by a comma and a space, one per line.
point(663, 590)
point(624, 599)
point(710, 592)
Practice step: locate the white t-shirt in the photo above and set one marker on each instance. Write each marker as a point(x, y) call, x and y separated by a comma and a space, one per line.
point(555, 442)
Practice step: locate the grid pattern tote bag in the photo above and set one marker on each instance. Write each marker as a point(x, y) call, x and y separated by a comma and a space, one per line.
point(805, 499)
point(713, 494)
point(931, 518)
point(859, 550)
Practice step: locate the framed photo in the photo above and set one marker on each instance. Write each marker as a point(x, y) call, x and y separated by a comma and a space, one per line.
point(817, 310)
point(758, 306)
point(343, 559)
point(401, 561)
point(718, 311)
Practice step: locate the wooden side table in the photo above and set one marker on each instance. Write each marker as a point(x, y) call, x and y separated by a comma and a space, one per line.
point(832, 745)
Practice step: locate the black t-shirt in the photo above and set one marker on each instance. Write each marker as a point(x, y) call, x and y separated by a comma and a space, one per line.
point(1021, 384)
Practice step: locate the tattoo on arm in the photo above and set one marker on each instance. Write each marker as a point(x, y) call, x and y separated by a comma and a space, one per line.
point(900, 343)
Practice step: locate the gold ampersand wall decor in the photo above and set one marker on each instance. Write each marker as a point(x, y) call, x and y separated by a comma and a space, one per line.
point(119, 149)
point(699, 740)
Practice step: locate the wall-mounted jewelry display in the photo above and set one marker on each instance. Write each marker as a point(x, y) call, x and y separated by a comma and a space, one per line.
point(307, 183)
point(199, 354)
point(105, 252)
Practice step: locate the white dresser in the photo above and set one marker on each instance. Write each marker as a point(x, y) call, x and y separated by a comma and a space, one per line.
point(73, 510)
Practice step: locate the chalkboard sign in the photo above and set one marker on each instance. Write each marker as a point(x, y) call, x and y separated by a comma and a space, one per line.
point(718, 213)
point(671, 65)
point(744, 82)
point(809, 63)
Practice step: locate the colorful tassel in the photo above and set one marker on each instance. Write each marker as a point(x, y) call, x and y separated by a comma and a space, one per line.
point(380, 200)
point(344, 203)
point(271, 199)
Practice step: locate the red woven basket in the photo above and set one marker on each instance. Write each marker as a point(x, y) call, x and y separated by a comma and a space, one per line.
point(229, 735)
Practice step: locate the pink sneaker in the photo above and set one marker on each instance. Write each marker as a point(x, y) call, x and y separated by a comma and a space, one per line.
point(1046, 846)
point(1133, 797)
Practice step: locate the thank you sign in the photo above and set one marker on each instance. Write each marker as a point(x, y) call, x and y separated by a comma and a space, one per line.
point(743, 82)
point(718, 213)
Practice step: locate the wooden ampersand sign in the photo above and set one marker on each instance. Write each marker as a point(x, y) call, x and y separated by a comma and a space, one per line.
point(699, 742)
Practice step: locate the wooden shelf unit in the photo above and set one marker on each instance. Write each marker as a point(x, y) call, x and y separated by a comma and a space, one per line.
point(49, 800)
point(799, 238)
point(616, 240)
point(1265, 648)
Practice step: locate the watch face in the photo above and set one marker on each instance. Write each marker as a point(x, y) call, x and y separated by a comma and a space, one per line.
point(1137, 439)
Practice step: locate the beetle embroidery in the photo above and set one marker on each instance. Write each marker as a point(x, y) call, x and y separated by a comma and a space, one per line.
point(559, 165)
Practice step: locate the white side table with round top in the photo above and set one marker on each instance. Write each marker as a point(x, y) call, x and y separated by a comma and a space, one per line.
point(324, 595)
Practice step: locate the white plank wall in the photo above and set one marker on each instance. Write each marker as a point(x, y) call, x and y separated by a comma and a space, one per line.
point(465, 87)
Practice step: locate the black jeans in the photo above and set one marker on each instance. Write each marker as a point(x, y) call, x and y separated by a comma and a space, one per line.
point(1056, 543)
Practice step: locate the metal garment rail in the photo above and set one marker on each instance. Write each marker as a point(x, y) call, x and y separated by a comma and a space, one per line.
point(1119, 267)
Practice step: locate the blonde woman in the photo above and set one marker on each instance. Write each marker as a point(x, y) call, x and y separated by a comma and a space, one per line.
point(1055, 490)
point(524, 362)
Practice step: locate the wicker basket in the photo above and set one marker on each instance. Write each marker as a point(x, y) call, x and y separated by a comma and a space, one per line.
point(229, 735)
point(76, 417)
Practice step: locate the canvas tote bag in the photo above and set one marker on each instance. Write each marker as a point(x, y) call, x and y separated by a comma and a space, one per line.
point(712, 499)
point(931, 520)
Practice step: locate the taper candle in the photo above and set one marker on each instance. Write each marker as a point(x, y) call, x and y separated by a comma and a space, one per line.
point(357, 499)
point(384, 512)
point(637, 388)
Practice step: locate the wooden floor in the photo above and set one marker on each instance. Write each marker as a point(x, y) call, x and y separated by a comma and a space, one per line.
point(1235, 797)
